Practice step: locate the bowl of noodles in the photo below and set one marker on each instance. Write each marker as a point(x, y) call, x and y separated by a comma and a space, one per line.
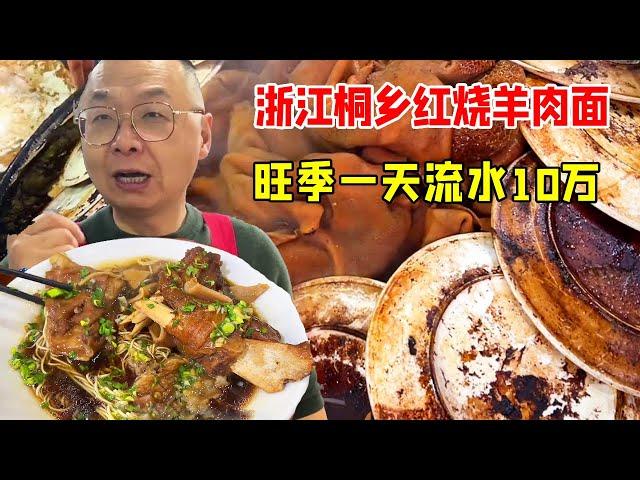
point(151, 329)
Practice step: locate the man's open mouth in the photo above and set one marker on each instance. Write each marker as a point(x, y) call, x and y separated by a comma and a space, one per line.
point(132, 177)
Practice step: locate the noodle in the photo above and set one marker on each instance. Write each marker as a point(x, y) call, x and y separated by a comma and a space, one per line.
point(110, 409)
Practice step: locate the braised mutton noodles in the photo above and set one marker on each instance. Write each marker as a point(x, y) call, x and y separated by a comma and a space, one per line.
point(153, 339)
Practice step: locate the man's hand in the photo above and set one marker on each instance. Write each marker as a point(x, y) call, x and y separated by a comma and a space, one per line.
point(50, 233)
point(79, 70)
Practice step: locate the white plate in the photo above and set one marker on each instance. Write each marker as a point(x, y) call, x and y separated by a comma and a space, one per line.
point(274, 306)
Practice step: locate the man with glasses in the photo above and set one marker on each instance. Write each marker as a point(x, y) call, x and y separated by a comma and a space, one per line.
point(144, 129)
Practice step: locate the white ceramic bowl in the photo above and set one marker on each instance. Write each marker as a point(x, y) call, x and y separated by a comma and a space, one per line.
point(274, 306)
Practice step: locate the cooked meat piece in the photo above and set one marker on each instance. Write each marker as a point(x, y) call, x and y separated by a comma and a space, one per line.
point(193, 331)
point(63, 331)
point(208, 267)
point(197, 264)
point(60, 261)
point(219, 362)
point(192, 334)
point(65, 270)
point(111, 287)
point(170, 289)
point(259, 330)
point(158, 386)
point(72, 325)
point(198, 398)
point(269, 365)
point(69, 272)
point(165, 391)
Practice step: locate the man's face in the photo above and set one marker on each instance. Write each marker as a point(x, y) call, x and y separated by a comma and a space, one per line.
point(132, 173)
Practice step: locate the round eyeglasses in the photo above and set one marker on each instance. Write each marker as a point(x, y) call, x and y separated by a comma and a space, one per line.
point(153, 122)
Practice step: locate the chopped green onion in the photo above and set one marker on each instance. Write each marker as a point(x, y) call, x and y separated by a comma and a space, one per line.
point(189, 307)
point(188, 375)
point(115, 391)
point(200, 264)
point(97, 297)
point(173, 266)
point(109, 382)
point(73, 356)
point(192, 271)
point(107, 329)
point(151, 305)
point(236, 315)
point(140, 357)
point(84, 272)
point(228, 328)
point(54, 292)
point(28, 368)
point(33, 333)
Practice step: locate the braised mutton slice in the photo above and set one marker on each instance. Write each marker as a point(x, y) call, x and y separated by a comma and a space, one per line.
point(157, 386)
point(259, 330)
point(72, 326)
point(197, 265)
point(177, 384)
point(86, 278)
point(192, 332)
